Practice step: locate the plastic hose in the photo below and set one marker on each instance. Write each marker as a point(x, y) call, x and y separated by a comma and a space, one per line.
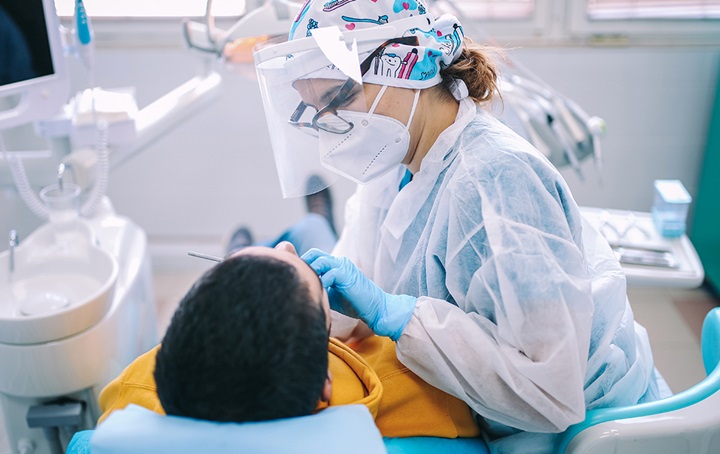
point(102, 174)
point(17, 170)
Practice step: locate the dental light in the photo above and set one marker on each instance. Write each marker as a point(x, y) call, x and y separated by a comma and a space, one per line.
point(262, 21)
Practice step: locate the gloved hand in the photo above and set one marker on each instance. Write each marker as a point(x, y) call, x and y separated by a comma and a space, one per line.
point(384, 313)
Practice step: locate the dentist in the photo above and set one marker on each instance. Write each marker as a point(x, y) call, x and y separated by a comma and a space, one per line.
point(462, 243)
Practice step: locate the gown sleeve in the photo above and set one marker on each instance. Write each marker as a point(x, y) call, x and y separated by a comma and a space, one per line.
point(514, 346)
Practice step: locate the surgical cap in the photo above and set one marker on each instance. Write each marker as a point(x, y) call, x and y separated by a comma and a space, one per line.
point(397, 65)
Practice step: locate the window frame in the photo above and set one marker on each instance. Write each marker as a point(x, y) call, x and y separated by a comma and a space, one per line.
point(535, 26)
point(142, 31)
point(99, 3)
point(680, 31)
point(552, 23)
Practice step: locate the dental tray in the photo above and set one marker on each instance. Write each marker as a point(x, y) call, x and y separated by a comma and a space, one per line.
point(637, 255)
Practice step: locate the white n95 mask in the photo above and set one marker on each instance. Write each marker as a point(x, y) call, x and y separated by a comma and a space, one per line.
point(374, 146)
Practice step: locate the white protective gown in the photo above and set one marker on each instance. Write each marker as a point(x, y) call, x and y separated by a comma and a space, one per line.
point(522, 309)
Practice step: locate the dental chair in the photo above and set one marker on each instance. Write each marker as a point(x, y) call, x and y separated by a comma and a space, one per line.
point(349, 429)
point(688, 422)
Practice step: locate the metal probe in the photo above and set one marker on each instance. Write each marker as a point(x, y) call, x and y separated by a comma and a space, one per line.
point(205, 256)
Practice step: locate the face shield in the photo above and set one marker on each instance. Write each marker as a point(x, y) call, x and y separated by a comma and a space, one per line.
point(311, 89)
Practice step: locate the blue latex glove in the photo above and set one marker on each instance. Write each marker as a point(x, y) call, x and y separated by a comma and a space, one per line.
point(384, 313)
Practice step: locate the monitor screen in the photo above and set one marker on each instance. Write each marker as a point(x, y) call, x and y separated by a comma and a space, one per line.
point(34, 83)
point(24, 45)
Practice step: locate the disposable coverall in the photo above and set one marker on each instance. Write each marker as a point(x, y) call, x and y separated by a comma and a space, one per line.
point(522, 309)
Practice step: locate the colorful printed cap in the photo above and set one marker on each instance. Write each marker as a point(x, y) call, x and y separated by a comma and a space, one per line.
point(397, 65)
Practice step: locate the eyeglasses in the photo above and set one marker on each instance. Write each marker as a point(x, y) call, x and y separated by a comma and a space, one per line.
point(327, 118)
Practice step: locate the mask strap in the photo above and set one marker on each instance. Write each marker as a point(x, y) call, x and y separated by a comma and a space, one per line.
point(412, 112)
point(375, 103)
point(377, 100)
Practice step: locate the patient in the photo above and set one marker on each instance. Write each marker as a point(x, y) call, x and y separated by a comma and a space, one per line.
point(249, 342)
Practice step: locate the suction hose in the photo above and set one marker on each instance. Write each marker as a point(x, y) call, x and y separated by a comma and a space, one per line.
point(102, 173)
point(99, 189)
point(23, 186)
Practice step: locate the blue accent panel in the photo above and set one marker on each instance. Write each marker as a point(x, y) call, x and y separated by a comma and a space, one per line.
point(705, 224)
point(80, 443)
point(711, 341)
point(701, 391)
point(432, 445)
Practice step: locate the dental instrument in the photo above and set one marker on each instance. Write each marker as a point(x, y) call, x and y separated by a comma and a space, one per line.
point(205, 256)
point(642, 256)
point(648, 259)
point(84, 35)
point(13, 243)
point(633, 224)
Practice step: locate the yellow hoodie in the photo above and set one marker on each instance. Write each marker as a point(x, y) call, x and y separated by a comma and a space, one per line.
point(402, 404)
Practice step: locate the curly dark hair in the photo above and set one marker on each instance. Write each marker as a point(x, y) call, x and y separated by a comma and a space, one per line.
point(247, 343)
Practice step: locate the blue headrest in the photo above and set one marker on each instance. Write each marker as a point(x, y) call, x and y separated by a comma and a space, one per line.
point(346, 429)
point(433, 445)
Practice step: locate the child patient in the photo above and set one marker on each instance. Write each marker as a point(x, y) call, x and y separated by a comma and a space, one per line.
point(250, 342)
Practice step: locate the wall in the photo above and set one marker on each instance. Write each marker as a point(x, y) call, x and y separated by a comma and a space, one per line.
point(657, 103)
point(216, 170)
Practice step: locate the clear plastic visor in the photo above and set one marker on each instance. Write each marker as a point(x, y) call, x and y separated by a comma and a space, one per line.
point(304, 95)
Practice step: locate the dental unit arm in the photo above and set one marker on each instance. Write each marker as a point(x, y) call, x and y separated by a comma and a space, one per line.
point(263, 19)
point(559, 128)
point(106, 120)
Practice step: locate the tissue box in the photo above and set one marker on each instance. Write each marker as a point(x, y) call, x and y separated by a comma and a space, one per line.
point(670, 208)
